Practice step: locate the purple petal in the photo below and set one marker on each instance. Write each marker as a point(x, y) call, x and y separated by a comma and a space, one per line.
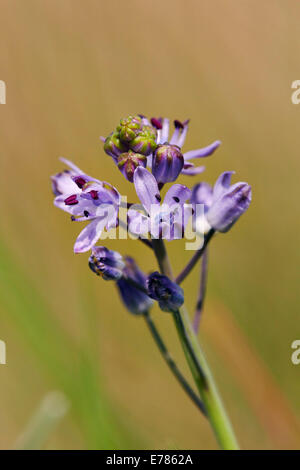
point(75, 168)
point(226, 210)
point(202, 193)
point(193, 170)
point(204, 152)
point(222, 183)
point(177, 194)
point(89, 235)
point(62, 183)
point(146, 188)
point(183, 134)
point(164, 134)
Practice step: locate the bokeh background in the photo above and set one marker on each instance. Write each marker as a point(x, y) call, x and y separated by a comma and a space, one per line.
point(72, 69)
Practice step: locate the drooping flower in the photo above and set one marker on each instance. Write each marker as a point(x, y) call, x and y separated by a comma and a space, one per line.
point(223, 204)
point(86, 199)
point(136, 301)
point(106, 263)
point(168, 294)
point(166, 220)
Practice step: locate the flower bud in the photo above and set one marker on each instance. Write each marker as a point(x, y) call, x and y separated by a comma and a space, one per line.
point(136, 301)
point(229, 206)
point(106, 263)
point(129, 161)
point(167, 163)
point(113, 146)
point(168, 294)
point(145, 141)
point(129, 128)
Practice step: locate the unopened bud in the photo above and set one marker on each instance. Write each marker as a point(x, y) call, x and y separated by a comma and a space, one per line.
point(106, 263)
point(145, 141)
point(129, 128)
point(113, 145)
point(129, 161)
point(167, 163)
point(168, 294)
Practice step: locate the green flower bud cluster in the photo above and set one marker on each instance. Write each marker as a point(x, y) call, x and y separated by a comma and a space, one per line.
point(131, 134)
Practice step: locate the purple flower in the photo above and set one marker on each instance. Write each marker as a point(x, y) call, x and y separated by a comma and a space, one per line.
point(223, 205)
point(86, 199)
point(106, 263)
point(166, 220)
point(136, 301)
point(178, 139)
point(168, 294)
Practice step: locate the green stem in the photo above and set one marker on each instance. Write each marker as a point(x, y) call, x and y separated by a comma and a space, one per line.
point(206, 385)
point(171, 363)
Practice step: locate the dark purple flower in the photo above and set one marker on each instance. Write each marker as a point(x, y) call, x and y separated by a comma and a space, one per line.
point(90, 200)
point(166, 220)
point(168, 294)
point(106, 263)
point(136, 301)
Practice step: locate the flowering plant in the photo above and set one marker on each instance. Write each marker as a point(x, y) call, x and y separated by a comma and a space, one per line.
point(149, 158)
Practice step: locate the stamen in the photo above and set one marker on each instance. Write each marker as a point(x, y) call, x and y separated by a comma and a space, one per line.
point(94, 194)
point(80, 182)
point(86, 213)
point(156, 123)
point(71, 200)
point(178, 124)
point(176, 199)
point(157, 197)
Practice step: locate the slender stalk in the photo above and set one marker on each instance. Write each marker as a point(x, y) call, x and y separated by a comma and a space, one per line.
point(207, 388)
point(202, 291)
point(171, 363)
point(193, 261)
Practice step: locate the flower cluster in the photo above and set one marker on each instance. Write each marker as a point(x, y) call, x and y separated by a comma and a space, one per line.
point(149, 157)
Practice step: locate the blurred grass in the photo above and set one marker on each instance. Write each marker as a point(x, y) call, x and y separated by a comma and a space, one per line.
point(72, 69)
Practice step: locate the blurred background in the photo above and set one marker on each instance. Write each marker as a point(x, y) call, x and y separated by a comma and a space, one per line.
point(72, 70)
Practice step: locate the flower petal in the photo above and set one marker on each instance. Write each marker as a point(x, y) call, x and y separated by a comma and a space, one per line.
point(177, 194)
point(164, 134)
point(204, 152)
point(89, 235)
point(192, 170)
point(222, 184)
point(146, 188)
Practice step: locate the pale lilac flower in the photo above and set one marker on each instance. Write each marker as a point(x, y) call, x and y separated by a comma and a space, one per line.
point(223, 204)
point(166, 220)
point(86, 199)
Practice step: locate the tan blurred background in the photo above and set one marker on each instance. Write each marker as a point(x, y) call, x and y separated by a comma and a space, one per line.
point(72, 69)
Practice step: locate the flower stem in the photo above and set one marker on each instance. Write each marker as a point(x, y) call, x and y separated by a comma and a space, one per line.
point(202, 291)
point(193, 261)
point(207, 388)
point(171, 363)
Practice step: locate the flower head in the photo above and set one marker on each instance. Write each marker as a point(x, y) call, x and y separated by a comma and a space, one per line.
point(151, 138)
point(86, 199)
point(136, 301)
point(106, 263)
point(168, 294)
